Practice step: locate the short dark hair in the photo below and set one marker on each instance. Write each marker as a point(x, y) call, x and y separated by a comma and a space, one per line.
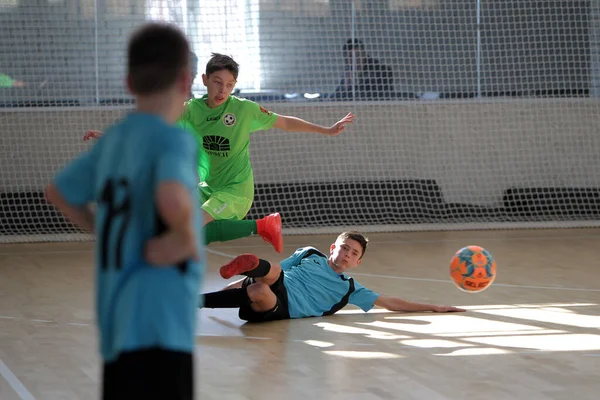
point(156, 55)
point(353, 44)
point(359, 237)
point(219, 62)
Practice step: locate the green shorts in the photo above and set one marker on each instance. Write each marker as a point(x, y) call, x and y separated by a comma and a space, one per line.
point(224, 205)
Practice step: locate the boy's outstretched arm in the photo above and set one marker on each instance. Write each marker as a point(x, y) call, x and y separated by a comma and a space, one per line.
point(81, 216)
point(397, 304)
point(294, 124)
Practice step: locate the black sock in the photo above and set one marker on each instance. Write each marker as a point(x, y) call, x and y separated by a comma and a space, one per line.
point(229, 298)
point(262, 269)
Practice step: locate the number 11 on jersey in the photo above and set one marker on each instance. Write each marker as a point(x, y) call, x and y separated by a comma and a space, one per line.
point(116, 198)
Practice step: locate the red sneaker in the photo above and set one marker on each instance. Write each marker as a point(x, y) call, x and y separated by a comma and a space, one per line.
point(239, 265)
point(269, 228)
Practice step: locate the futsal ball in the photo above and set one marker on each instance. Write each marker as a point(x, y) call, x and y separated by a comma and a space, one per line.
point(473, 269)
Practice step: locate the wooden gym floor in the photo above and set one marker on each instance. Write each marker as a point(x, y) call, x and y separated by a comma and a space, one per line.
point(535, 334)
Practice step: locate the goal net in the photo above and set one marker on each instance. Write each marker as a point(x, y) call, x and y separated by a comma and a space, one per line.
point(471, 114)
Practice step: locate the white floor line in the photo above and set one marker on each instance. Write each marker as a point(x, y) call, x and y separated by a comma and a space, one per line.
point(220, 253)
point(15, 383)
point(494, 284)
point(490, 238)
point(293, 247)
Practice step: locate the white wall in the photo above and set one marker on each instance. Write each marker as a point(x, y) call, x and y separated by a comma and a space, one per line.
point(473, 150)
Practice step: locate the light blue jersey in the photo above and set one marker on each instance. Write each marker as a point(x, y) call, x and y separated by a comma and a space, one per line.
point(138, 306)
point(315, 289)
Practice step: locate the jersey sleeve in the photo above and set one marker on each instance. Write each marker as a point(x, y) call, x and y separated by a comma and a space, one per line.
point(177, 161)
point(185, 122)
point(363, 297)
point(75, 182)
point(261, 118)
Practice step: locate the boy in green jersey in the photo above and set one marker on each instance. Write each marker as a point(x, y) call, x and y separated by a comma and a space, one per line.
point(221, 124)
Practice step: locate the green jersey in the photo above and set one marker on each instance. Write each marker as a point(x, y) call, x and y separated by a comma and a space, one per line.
point(223, 133)
point(6, 81)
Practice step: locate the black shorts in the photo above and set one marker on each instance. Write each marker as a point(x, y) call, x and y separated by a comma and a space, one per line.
point(149, 374)
point(280, 311)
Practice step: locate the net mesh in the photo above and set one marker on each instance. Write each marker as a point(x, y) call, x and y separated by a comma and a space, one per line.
point(470, 114)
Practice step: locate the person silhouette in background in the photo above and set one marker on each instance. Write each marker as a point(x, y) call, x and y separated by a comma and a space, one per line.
point(364, 76)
